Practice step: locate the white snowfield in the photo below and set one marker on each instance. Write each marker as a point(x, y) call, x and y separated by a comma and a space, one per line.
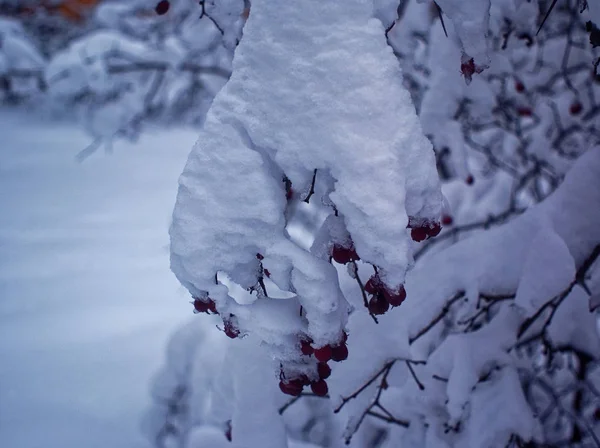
point(87, 301)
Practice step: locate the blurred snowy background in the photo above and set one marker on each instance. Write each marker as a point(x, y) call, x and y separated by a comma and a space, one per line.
point(87, 300)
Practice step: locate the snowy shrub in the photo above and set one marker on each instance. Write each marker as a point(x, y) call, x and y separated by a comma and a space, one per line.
point(116, 66)
point(21, 63)
point(494, 342)
point(392, 212)
point(310, 209)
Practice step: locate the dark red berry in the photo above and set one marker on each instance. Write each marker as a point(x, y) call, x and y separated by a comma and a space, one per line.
point(524, 111)
point(434, 230)
point(267, 273)
point(339, 353)
point(323, 354)
point(162, 7)
point(260, 256)
point(212, 307)
point(293, 387)
point(319, 388)
point(395, 298)
point(467, 69)
point(447, 220)
point(200, 306)
point(418, 234)
point(343, 255)
point(324, 370)
point(519, 86)
point(230, 330)
point(378, 305)
point(470, 180)
point(306, 348)
point(373, 285)
point(576, 108)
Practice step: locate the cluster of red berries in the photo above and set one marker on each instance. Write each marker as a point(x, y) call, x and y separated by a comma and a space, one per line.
point(420, 232)
point(208, 306)
point(524, 111)
point(383, 297)
point(337, 353)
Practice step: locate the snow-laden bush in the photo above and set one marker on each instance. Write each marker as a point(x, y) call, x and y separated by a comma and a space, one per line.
point(482, 336)
point(121, 68)
point(21, 63)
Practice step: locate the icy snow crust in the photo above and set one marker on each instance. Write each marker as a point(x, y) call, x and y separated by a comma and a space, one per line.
point(294, 104)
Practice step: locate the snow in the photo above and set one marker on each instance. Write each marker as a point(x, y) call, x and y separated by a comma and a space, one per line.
point(18, 52)
point(265, 123)
point(471, 21)
point(493, 262)
point(548, 270)
point(87, 300)
point(573, 325)
point(498, 410)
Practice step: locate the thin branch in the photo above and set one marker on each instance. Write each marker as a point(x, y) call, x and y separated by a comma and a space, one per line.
point(459, 295)
point(312, 187)
point(440, 15)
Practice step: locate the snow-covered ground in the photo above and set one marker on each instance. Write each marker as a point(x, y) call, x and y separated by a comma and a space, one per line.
point(87, 300)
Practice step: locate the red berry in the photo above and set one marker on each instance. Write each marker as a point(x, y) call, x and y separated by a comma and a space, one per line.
point(395, 298)
point(418, 234)
point(212, 307)
point(260, 256)
point(378, 305)
point(319, 388)
point(519, 86)
point(230, 330)
point(434, 230)
point(200, 306)
point(293, 387)
point(162, 7)
point(339, 353)
point(267, 273)
point(373, 285)
point(470, 180)
point(343, 255)
point(306, 348)
point(467, 69)
point(447, 220)
point(524, 111)
point(576, 108)
point(324, 370)
point(323, 354)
